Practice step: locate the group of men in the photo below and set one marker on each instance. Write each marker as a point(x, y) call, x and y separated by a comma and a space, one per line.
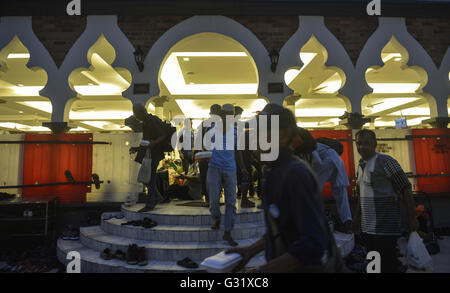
point(298, 238)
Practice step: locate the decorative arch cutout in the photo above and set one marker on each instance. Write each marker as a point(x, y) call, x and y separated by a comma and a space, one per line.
point(99, 104)
point(316, 88)
point(397, 89)
point(21, 106)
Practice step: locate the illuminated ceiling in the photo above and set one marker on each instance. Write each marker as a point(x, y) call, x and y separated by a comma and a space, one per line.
point(206, 69)
point(21, 106)
point(317, 86)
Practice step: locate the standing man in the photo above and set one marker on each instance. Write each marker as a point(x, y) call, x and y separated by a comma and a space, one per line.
point(222, 173)
point(297, 237)
point(203, 164)
point(153, 131)
point(328, 166)
point(381, 186)
point(187, 156)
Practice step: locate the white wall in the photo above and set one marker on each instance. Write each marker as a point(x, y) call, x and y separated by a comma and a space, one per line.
point(113, 163)
point(11, 162)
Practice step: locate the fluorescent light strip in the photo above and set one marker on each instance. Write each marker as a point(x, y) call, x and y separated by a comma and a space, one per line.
point(98, 90)
point(394, 88)
point(43, 106)
point(102, 115)
point(18, 56)
point(172, 77)
point(210, 54)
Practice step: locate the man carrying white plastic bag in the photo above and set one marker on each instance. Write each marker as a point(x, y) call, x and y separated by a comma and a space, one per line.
point(417, 255)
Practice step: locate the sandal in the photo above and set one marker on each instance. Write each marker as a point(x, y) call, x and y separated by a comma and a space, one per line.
point(119, 254)
point(106, 254)
point(187, 263)
point(148, 223)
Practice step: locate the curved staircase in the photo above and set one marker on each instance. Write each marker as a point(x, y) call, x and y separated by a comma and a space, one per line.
point(181, 232)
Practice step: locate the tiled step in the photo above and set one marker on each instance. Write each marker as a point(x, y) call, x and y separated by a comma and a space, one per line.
point(97, 239)
point(176, 233)
point(92, 263)
point(170, 214)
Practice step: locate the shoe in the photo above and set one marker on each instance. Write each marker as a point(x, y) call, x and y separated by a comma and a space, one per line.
point(142, 256)
point(133, 223)
point(120, 255)
point(227, 237)
point(132, 254)
point(216, 225)
point(148, 223)
point(187, 263)
point(106, 254)
point(246, 203)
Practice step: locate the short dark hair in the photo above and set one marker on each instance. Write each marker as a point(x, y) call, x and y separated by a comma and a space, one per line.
point(366, 132)
point(238, 110)
point(215, 109)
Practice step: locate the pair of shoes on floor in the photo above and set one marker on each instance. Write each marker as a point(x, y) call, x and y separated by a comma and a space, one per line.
point(146, 223)
point(187, 263)
point(107, 255)
point(136, 255)
point(115, 216)
point(246, 203)
point(227, 237)
point(71, 234)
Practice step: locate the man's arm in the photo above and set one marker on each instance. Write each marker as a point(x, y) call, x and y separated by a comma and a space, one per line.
point(402, 186)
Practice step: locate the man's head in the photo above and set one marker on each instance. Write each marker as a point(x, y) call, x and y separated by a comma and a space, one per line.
point(215, 109)
point(140, 112)
point(238, 110)
point(366, 143)
point(287, 123)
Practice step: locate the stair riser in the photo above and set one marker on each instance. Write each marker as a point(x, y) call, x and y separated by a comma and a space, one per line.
point(180, 236)
point(154, 253)
point(91, 267)
point(192, 219)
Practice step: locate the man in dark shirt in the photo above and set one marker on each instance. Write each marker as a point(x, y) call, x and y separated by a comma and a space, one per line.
point(296, 236)
point(153, 131)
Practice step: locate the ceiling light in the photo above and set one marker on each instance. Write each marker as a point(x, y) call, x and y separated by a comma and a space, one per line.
point(394, 88)
point(28, 90)
point(98, 90)
point(106, 115)
point(21, 112)
point(210, 54)
point(319, 112)
point(43, 106)
point(18, 55)
point(186, 59)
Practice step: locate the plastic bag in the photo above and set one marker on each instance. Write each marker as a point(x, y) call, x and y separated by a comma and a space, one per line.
point(417, 255)
point(145, 172)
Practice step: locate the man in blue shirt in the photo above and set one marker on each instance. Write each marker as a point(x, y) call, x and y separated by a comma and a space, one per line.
point(297, 238)
point(222, 173)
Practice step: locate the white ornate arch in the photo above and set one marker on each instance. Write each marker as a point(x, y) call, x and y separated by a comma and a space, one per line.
point(337, 55)
point(371, 55)
point(195, 25)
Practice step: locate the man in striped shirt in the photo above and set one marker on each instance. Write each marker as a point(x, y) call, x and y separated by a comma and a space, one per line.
point(381, 186)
